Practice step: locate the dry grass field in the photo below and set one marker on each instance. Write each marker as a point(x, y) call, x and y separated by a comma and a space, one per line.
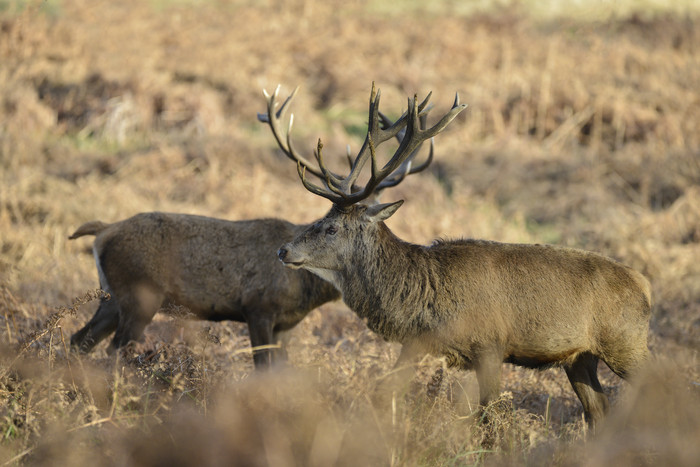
point(582, 130)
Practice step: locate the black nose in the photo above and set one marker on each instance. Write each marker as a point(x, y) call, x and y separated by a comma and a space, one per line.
point(281, 254)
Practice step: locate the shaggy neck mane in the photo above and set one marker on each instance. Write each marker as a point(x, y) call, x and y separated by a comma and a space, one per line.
point(404, 305)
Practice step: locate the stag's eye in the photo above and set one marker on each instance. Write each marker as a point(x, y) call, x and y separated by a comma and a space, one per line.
point(331, 230)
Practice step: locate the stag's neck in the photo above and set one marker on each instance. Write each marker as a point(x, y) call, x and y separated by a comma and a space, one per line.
point(318, 291)
point(393, 285)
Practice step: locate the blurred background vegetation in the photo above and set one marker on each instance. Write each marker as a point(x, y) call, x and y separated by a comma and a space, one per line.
point(582, 130)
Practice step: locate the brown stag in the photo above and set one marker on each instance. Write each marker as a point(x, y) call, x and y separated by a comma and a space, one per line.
point(478, 303)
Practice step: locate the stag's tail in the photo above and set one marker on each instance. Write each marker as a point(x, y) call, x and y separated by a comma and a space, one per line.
point(89, 228)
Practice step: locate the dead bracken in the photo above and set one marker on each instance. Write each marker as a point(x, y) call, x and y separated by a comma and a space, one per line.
point(581, 131)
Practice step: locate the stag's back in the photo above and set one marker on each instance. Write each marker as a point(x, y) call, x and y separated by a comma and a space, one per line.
point(559, 275)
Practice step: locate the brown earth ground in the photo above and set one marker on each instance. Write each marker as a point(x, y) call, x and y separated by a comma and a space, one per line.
point(579, 132)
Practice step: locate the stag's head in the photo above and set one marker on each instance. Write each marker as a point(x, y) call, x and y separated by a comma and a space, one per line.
point(324, 246)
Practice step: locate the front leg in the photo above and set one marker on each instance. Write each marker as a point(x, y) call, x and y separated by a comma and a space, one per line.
point(280, 356)
point(396, 380)
point(260, 329)
point(488, 374)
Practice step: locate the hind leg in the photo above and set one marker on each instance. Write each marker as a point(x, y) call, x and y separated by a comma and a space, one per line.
point(102, 324)
point(628, 361)
point(583, 376)
point(136, 312)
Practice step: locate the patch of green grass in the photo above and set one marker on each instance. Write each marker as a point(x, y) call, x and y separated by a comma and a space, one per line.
point(50, 8)
point(544, 232)
point(88, 142)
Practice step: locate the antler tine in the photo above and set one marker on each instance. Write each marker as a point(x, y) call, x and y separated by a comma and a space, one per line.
point(274, 117)
point(313, 188)
point(330, 179)
point(283, 107)
point(423, 111)
point(404, 156)
point(401, 123)
point(416, 135)
point(407, 168)
point(424, 165)
point(419, 168)
point(447, 118)
point(372, 128)
point(348, 155)
point(386, 123)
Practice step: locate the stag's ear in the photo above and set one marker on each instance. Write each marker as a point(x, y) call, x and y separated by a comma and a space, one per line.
point(380, 212)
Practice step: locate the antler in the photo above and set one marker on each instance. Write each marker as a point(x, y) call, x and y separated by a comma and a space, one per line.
point(274, 117)
point(274, 120)
point(340, 190)
point(407, 168)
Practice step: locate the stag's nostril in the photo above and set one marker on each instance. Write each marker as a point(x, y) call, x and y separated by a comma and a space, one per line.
point(281, 254)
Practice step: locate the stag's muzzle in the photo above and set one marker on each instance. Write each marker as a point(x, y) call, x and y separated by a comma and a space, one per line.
point(282, 253)
point(288, 258)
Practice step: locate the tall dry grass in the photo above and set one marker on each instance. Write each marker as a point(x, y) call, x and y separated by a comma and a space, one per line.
point(579, 132)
